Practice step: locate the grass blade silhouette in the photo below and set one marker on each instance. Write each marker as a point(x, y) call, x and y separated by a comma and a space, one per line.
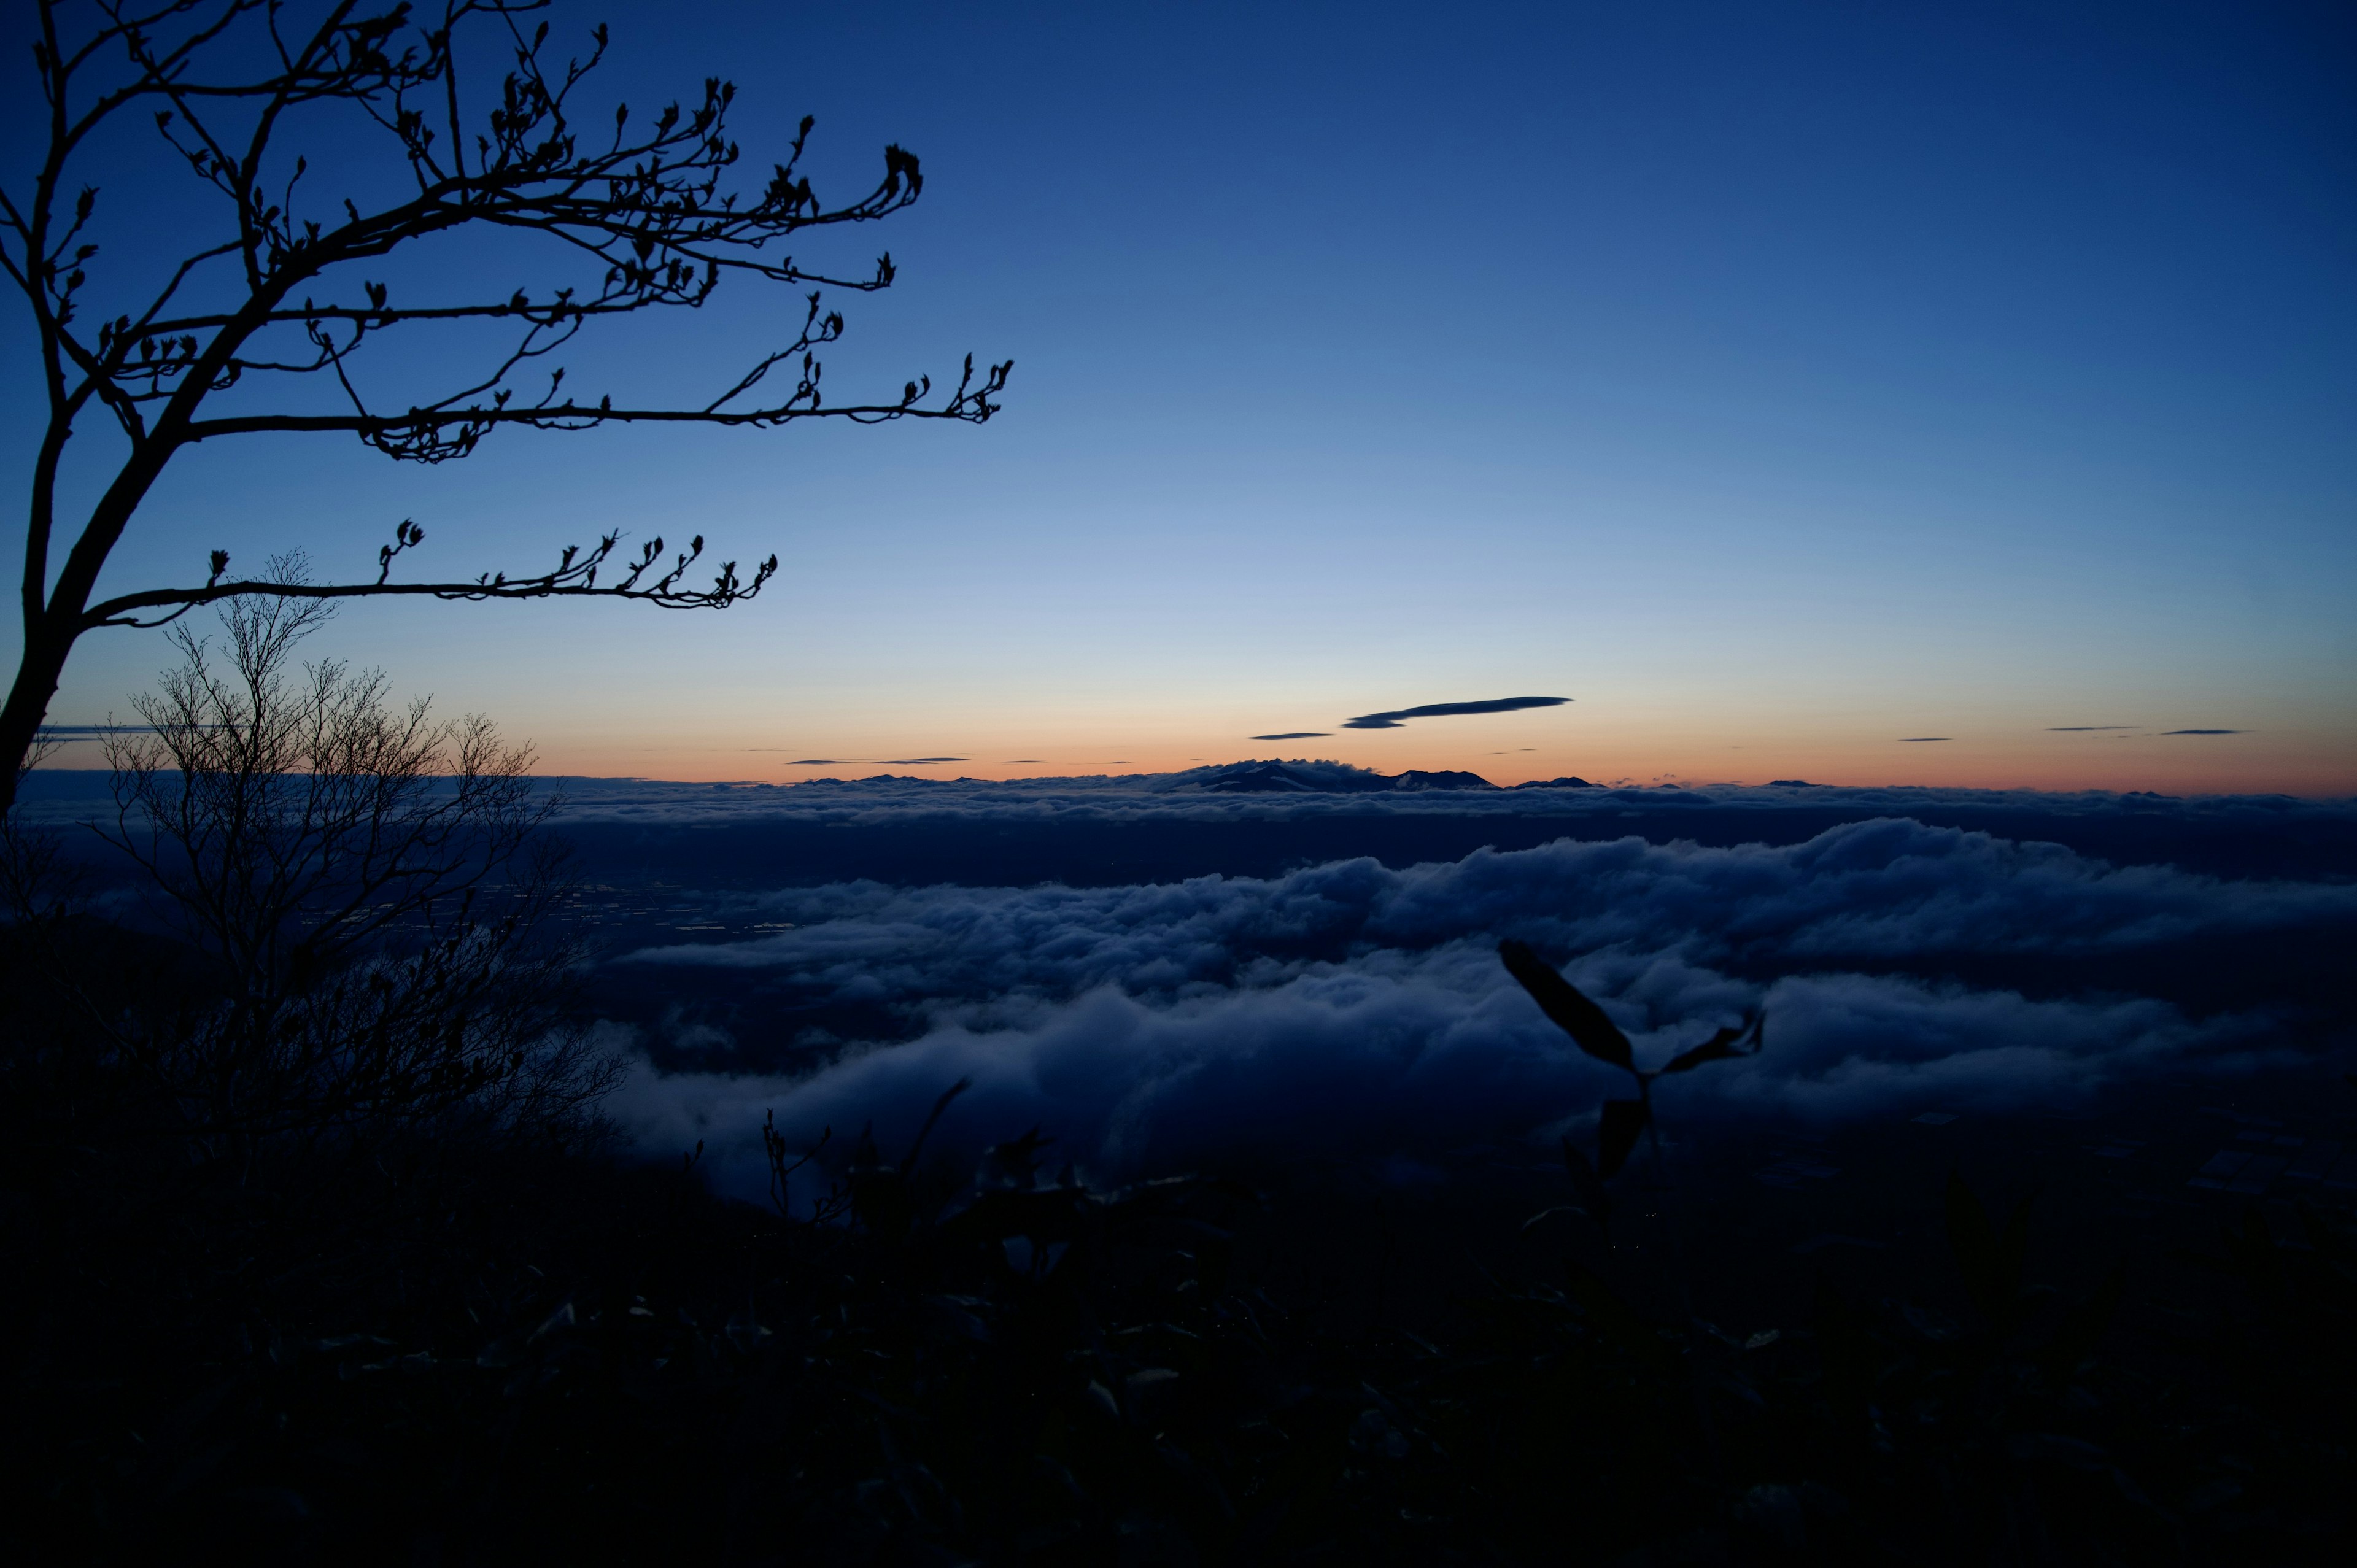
point(1573, 1012)
point(1727, 1042)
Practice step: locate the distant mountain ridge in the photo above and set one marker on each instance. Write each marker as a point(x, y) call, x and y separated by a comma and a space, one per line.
point(1322, 777)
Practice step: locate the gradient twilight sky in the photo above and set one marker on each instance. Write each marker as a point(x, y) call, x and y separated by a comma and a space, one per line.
point(1777, 381)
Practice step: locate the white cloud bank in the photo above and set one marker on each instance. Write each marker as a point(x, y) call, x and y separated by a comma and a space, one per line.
point(1352, 1009)
point(1887, 887)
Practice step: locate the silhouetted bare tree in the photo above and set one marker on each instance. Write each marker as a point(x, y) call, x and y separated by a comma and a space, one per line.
point(255, 318)
point(358, 890)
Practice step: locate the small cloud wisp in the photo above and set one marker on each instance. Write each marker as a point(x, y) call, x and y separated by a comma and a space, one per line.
point(1395, 718)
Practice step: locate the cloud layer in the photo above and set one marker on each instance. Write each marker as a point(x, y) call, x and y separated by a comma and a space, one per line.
point(1885, 888)
point(1354, 1009)
point(1399, 1055)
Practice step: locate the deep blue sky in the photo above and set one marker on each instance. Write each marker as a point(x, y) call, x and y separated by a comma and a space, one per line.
point(1777, 381)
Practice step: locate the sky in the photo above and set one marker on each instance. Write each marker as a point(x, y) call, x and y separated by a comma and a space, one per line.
point(1876, 394)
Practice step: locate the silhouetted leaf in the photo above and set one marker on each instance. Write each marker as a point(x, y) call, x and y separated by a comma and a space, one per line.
point(1573, 1012)
point(1727, 1042)
point(1544, 1215)
point(1615, 1134)
point(1014, 1163)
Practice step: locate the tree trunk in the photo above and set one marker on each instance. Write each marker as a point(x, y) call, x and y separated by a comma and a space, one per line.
point(28, 703)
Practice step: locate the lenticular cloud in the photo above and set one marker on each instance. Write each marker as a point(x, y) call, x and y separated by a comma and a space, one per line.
point(1354, 1008)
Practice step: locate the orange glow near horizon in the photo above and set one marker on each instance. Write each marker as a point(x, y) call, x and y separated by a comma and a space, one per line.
point(2286, 761)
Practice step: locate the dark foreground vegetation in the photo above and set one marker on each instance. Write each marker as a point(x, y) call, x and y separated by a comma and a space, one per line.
point(318, 1251)
point(507, 1347)
point(471, 1335)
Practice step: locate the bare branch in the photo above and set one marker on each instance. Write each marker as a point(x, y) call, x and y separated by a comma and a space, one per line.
point(643, 578)
point(637, 213)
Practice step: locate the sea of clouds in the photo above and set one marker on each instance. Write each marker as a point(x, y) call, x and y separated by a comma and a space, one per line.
point(1357, 1008)
point(1354, 1009)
